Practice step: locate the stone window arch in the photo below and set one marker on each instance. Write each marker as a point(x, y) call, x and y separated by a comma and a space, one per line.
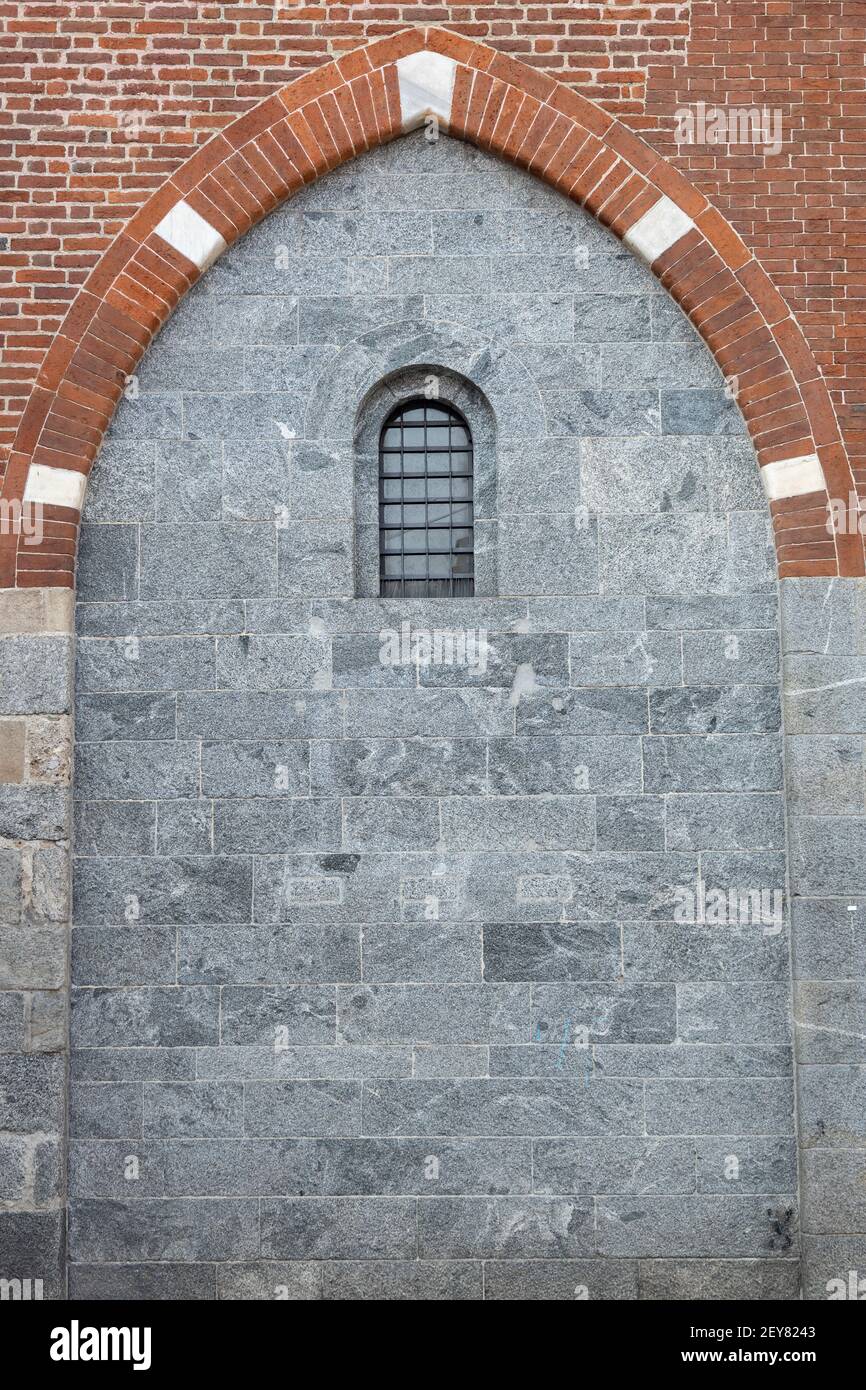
point(450, 391)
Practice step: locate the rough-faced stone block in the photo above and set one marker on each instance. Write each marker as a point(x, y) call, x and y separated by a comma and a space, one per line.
point(35, 675)
point(163, 1230)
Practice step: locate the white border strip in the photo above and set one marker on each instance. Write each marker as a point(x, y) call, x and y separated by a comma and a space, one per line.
point(658, 230)
point(793, 477)
point(426, 87)
point(188, 232)
point(56, 487)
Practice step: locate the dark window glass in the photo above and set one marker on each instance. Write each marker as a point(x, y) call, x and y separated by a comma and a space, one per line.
point(426, 526)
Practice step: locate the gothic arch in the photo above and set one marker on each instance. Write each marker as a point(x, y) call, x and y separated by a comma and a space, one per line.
point(353, 104)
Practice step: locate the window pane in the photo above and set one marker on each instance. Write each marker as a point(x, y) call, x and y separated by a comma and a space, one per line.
point(425, 544)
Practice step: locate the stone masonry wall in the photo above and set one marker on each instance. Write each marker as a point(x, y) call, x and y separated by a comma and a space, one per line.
point(824, 644)
point(35, 768)
point(339, 924)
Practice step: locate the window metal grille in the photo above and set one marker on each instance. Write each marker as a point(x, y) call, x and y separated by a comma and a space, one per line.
point(426, 527)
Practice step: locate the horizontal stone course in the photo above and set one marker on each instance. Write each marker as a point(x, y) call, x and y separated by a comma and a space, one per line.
point(341, 922)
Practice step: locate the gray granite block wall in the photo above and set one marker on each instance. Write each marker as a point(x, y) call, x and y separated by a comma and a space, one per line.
point(824, 642)
point(35, 827)
point(382, 986)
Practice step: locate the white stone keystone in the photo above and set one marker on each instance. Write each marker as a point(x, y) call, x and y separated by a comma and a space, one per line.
point(426, 87)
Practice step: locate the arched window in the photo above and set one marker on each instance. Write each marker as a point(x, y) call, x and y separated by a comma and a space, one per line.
point(425, 503)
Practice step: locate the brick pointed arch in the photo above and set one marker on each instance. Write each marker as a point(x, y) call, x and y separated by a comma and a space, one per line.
point(353, 104)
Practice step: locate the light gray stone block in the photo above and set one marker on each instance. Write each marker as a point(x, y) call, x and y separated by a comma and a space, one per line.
point(299, 1282)
point(708, 1107)
point(699, 1226)
point(554, 952)
point(712, 763)
point(163, 1230)
point(267, 955)
point(277, 1017)
point(124, 955)
point(105, 1112)
point(744, 1164)
point(189, 479)
point(203, 888)
point(718, 821)
point(142, 1283)
point(395, 1281)
point(380, 823)
point(34, 675)
point(739, 1013)
point(736, 709)
point(149, 1017)
point(560, 1280)
point(31, 1093)
point(707, 1280)
point(136, 771)
point(326, 1229)
point(582, 1167)
point(603, 1014)
point(632, 658)
point(228, 715)
point(205, 560)
point(505, 1227)
point(302, 1107)
point(115, 666)
point(452, 1013)
point(543, 766)
point(431, 951)
point(730, 658)
point(518, 822)
point(272, 663)
point(316, 560)
point(405, 767)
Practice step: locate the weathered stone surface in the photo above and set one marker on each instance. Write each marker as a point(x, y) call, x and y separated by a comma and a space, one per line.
point(164, 1230)
point(379, 964)
point(352, 1229)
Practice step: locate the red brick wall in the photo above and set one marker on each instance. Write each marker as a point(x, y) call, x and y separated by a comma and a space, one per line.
point(102, 101)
